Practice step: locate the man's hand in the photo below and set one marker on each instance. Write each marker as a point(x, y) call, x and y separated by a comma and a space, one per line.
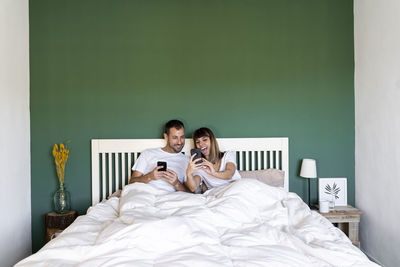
point(156, 174)
point(170, 177)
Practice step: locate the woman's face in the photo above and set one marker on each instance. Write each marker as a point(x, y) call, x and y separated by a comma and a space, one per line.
point(204, 144)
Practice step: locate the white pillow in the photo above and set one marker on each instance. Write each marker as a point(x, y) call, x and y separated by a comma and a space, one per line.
point(272, 177)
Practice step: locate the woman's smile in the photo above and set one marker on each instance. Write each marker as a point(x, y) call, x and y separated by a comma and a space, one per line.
point(204, 150)
point(204, 143)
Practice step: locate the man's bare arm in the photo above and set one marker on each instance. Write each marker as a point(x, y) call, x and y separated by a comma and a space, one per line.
point(138, 177)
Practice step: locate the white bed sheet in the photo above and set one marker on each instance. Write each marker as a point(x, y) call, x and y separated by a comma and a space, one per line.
point(245, 223)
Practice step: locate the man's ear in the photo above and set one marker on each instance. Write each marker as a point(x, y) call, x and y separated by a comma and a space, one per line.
point(165, 137)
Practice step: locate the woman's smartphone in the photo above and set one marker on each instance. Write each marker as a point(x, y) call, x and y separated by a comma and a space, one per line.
point(163, 164)
point(196, 151)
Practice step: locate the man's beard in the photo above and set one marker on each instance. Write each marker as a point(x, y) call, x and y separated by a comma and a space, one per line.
point(176, 150)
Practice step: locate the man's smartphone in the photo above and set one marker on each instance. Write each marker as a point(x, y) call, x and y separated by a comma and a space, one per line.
point(196, 151)
point(163, 164)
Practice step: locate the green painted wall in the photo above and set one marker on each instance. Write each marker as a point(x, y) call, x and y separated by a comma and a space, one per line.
point(120, 69)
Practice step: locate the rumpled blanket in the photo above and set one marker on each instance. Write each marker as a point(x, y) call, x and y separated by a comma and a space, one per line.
point(245, 223)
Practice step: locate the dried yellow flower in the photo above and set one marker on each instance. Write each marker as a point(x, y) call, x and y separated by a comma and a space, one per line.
point(60, 159)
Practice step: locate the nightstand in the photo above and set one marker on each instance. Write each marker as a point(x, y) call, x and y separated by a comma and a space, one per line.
point(57, 222)
point(348, 219)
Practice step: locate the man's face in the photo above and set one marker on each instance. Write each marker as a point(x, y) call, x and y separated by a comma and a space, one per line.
point(175, 139)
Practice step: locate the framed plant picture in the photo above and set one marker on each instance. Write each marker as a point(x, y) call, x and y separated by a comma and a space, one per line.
point(333, 188)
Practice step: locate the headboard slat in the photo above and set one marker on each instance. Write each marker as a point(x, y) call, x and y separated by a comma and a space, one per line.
point(247, 154)
point(116, 170)
point(109, 160)
point(271, 159)
point(265, 160)
point(255, 160)
point(129, 166)
point(241, 162)
point(103, 173)
point(123, 169)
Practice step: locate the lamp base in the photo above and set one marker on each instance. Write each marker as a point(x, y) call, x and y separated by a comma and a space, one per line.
point(309, 205)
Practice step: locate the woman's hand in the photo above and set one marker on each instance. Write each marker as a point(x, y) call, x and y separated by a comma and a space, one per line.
point(193, 165)
point(170, 177)
point(208, 167)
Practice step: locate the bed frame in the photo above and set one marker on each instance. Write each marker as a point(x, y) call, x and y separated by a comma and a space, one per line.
point(112, 159)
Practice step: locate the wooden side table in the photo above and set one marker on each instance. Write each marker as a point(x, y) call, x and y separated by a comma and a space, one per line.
point(348, 219)
point(55, 222)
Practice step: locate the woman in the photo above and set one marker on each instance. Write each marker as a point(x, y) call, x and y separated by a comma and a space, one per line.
point(215, 168)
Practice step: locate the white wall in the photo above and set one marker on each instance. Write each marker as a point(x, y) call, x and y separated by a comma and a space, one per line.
point(15, 185)
point(377, 110)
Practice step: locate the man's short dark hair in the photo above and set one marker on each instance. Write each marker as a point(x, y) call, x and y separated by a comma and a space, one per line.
point(177, 124)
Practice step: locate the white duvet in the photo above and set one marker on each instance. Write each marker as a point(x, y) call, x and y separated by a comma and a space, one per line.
point(245, 223)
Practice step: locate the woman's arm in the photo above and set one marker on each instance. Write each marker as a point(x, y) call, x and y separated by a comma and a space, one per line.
point(227, 174)
point(192, 182)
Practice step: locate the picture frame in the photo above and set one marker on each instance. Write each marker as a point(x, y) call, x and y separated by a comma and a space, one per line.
point(337, 188)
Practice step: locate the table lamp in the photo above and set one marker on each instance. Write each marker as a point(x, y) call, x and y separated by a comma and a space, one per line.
point(308, 170)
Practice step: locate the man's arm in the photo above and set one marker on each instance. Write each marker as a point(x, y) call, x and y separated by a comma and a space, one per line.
point(138, 177)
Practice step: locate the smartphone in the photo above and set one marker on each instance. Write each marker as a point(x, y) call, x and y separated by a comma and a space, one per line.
point(196, 151)
point(163, 164)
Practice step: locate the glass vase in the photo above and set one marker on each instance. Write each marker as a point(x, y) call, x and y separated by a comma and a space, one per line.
point(62, 200)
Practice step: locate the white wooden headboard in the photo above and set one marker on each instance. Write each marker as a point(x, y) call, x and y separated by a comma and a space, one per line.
point(112, 159)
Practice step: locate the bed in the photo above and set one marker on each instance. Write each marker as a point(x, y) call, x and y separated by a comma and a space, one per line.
point(246, 223)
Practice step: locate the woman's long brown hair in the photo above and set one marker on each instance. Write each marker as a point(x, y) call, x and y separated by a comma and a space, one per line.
point(215, 153)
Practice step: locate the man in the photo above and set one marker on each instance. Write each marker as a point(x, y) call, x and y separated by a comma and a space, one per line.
point(146, 170)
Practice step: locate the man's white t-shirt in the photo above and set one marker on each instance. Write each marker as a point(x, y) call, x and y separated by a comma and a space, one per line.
point(211, 181)
point(147, 161)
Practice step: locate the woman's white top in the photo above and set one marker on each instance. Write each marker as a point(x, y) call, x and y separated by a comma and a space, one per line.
point(211, 181)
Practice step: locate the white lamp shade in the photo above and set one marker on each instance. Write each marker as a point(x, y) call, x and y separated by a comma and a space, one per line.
point(308, 168)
